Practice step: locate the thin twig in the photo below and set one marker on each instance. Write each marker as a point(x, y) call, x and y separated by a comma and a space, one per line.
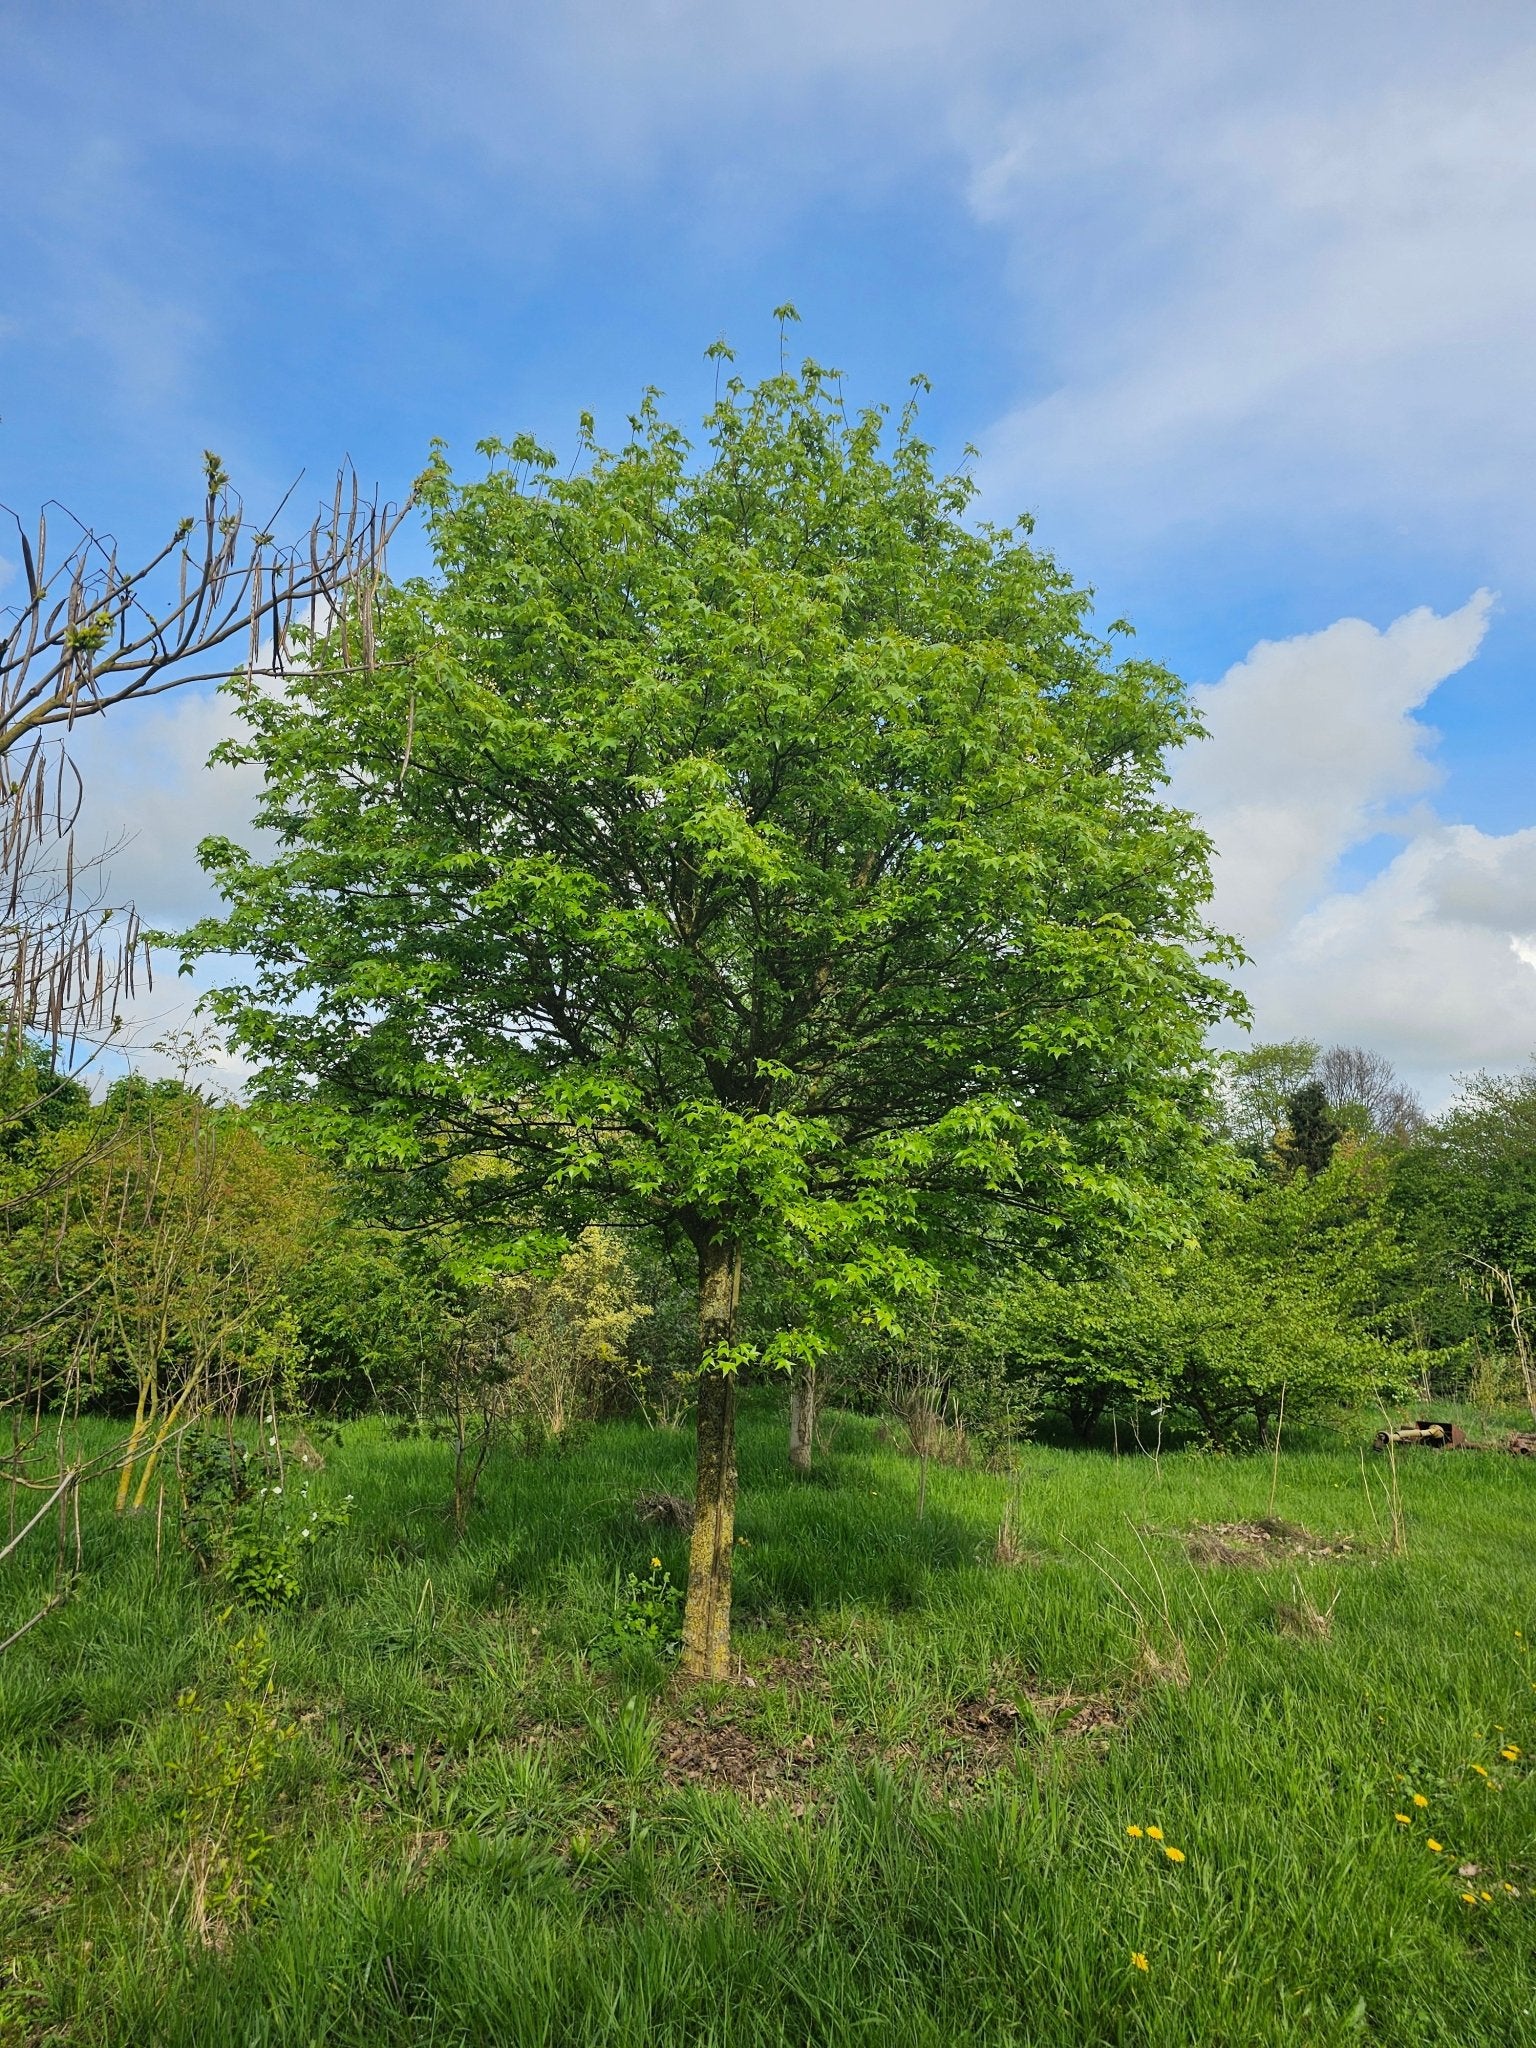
point(47, 1608)
point(71, 1478)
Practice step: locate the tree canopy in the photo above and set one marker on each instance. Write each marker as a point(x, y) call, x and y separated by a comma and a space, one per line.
point(746, 847)
point(1290, 1289)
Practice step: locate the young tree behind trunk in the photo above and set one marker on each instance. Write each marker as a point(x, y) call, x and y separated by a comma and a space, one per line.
point(707, 1615)
point(802, 1417)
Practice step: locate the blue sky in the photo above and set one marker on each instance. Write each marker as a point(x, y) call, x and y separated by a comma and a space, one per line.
point(1237, 301)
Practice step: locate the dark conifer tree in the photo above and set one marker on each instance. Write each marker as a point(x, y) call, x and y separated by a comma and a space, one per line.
point(1314, 1129)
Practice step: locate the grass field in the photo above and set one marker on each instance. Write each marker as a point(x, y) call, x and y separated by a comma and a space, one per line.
point(425, 1812)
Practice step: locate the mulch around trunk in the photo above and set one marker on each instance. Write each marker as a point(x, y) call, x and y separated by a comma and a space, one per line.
point(718, 1749)
point(726, 1745)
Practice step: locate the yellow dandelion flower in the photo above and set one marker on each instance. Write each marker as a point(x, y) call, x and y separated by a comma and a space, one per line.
point(1134, 1830)
point(1513, 1890)
point(1486, 1895)
point(1467, 1899)
point(1139, 1960)
point(1481, 1770)
point(1404, 1818)
point(1509, 1753)
point(1434, 1845)
point(655, 1564)
point(1173, 1855)
point(1419, 1799)
point(1154, 1834)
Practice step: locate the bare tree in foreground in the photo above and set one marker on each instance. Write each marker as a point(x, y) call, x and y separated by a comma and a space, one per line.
point(90, 634)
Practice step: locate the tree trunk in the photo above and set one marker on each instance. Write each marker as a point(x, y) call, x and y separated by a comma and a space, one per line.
point(802, 1417)
point(707, 1615)
point(1083, 1412)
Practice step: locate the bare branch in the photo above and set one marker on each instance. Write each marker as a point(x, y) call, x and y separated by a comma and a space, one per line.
point(89, 634)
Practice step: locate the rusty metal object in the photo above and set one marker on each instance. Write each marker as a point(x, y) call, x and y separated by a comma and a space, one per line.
point(1434, 1436)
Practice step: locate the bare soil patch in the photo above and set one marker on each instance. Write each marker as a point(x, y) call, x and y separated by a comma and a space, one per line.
point(978, 1738)
point(727, 1746)
point(974, 1741)
point(998, 1718)
point(708, 1746)
point(987, 1731)
point(1263, 1542)
point(799, 1668)
point(1304, 1619)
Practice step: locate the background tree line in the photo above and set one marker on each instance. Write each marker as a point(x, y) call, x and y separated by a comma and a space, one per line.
point(164, 1251)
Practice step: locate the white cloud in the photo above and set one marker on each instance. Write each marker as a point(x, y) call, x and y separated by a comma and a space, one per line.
point(1311, 741)
point(1294, 288)
point(1312, 745)
point(150, 797)
point(1425, 962)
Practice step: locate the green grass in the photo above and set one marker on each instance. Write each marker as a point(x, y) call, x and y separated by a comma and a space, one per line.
point(476, 1834)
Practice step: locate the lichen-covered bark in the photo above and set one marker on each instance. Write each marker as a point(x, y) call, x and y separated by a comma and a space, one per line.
point(707, 1615)
point(802, 1417)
